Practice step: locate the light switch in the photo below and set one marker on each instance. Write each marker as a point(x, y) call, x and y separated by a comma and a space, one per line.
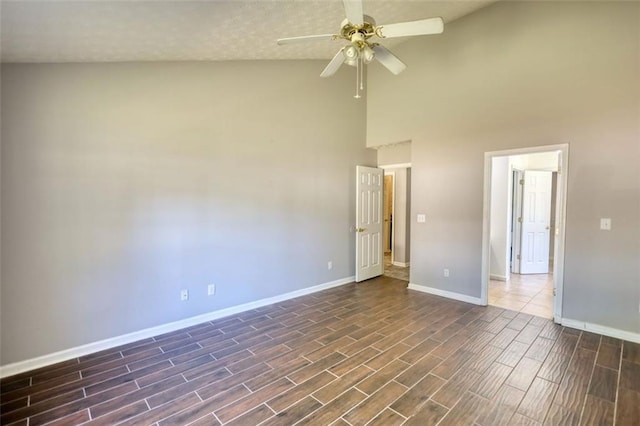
point(422, 218)
point(605, 224)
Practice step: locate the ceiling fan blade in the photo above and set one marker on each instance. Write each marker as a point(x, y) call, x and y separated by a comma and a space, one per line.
point(334, 65)
point(303, 39)
point(389, 60)
point(413, 28)
point(353, 10)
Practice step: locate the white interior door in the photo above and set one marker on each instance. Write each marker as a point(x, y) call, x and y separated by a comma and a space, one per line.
point(536, 222)
point(368, 223)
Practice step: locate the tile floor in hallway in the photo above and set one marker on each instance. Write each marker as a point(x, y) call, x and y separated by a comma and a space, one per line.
point(393, 271)
point(530, 294)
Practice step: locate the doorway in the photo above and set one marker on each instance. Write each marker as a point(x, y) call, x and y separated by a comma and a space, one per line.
point(388, 213)
point(397, 187)
point(523, 233)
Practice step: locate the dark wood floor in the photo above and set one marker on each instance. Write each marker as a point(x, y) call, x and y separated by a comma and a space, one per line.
point(371, 353)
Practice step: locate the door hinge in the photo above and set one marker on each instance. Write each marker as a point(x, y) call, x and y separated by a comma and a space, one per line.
point(521, 181)
point(518, 256)
point(554, 291)
point(520, 220)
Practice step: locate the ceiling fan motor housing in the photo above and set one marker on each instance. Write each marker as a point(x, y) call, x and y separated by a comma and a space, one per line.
point(361, 32)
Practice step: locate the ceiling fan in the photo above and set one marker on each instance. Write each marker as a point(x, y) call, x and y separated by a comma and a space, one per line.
point(360, 29)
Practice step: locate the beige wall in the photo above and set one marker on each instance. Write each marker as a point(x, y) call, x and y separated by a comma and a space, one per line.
point(521, 74)
point(124, 183)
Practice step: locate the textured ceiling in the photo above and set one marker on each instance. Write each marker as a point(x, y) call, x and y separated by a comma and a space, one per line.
point(155, 30)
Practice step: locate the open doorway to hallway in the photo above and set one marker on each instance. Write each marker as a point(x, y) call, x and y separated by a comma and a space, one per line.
point(397, 187)
point(524, 210)
point(528, 287)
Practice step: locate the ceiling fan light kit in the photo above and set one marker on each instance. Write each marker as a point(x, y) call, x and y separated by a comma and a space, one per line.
point(358, 29)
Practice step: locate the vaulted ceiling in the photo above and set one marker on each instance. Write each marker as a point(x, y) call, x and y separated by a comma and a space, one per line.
point(155, 30)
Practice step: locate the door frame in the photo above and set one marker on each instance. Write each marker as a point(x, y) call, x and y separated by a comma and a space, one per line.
point(561, 209)
point(516, 227)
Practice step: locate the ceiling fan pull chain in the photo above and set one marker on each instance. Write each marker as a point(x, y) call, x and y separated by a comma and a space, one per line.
point(361, 74)
point(357, 96)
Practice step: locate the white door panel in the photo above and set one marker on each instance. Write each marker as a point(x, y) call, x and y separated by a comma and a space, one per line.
point(368, 223)
point(536, 221)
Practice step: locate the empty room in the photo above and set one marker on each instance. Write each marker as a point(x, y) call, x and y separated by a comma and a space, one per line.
point(319, 212)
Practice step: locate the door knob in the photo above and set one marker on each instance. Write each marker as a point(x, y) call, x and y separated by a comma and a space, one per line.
point(360, 229)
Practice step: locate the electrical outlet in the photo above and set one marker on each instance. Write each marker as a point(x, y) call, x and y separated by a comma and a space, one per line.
point(211, 289)
point(446, 273)
point(329, 265)
point(605, 224)
point(184, 295)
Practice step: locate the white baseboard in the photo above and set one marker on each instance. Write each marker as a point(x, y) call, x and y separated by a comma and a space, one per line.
point(601, 329)
point(64, 355)
point(401, 264)
point(447, 294)
point(497, 277)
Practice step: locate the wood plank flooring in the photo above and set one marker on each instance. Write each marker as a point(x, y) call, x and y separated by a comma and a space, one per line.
point(372, 353)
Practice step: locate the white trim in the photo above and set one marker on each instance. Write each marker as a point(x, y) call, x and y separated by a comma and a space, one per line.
point(387, 145)
point(559, 240)
point(486, 231)
point(444, 293)
point(395, 166)
point(64, 355)
point(528, 150)
point(515, 228)
point(498, 277)
point(601, 329)
point(401, 264)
